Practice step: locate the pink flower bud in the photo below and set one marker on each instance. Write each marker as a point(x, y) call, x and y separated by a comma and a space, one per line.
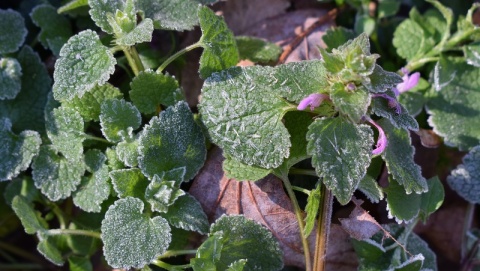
point(312, 100)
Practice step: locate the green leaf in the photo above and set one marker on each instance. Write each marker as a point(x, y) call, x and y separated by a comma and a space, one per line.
point(238, 265)
point(72, 5)
point(465, 179)
point(56, 176)
point(387, 8)
point(472, 54)
point(127, 150)
point(417, 246)
point(398, 157)
point(245, 239)
point(10, 78)
point(336, 36)
point(257, 50)
point(76, 263)
point(112, 159)
point(84, 62)
point(150, 89)
point(400, 205)
point(313, 203)
point(170, 141)
point(65, 129)
point(371, 189)
point(341, 153)
point(176, 15)
point(26, 111)
point(118, 119)
point(17, 151)
point(163, 192)
point(187, 213)
point(141, 33)
point(13, 31)
point(219, 47)
point(100, 9)
point(209, 253)
point(364, 24)
point(433, 199)
point(447, 14)
point(94, 189)
point(22, 187)
point(401, 119)
point(454, 109)
point(49, 249)
point(411, 41)
point(353, 104)
point(55, 28)
point(129, 183)
point(90, 103)
point(31, 221)
point(242, 172)
point(131, 238)
point(381, 80)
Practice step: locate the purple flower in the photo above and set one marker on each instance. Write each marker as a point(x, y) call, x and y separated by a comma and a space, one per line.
point(409, 82)
point(382, 138)
point(312, 100)
point(392, 102)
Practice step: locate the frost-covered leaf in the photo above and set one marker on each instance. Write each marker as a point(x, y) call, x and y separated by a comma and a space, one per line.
point(84, 62)
point(245, 239)
point(99, 10)
point(93, 189)
point(22, 187)
point(65, 129)
point(237, 265)
point(26, 111)
point(371, 189)
point(31, 221)
point(334, 37)
point(170, 141)
point(16, 151)
point(257, 50)
point(55, 28)
point(411, 41)
point(400, 205)
point(163, 192)
point(219, 47)
point(89, 104)
point(131, 238)
point(56, 176)
point(398, 157)
point(465, 179)
point(112, 159)
point(10, 78)
point(242, 172)
point(13, 31)
point(454, 109)
point(341, 152)
point(209, 253)
point(433, 199)
point(49, 249)
point(129, 183)
point(401, 119)
point(141, 33)
point(72, 5)
point(381, 80)
point(472, 54)
point(176, 15)
point(187, 213)
point(354, 104)
point(118, 118)
point(313, 203)
point(127, 150)
point(151, 89)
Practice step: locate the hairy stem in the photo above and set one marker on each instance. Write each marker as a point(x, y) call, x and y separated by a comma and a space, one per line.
point(173, 253)
point(301, 226)
point(323, 228)
point(176, 55)
point(73, 232)
point(133, 59)
point(96, 138)
point(170, 266)
point(299, 171)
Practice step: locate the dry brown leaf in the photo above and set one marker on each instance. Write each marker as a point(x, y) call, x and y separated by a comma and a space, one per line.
point(429, 138)
point(263, 201)
point(360, 224)
point(340, 253)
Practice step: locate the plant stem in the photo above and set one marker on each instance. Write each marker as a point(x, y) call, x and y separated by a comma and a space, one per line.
point(96, 138)
point(323, 228)
point(170, 266)
point(172, 253)
point(59, 214)
point(301, 226)
point(299, 171)
point(176, 55)
point(133, 59)
point(73, 232)
point(466, 227)
point(301, 189)
point(21, 266)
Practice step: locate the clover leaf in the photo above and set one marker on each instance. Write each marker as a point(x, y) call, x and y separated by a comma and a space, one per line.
point(17, 151)
point(341, 152)
point(10, 78)
point(13, 31)
point(131, 238)
point(170, 141)
point(465, 179)
point(84, 62)
point(118, 118)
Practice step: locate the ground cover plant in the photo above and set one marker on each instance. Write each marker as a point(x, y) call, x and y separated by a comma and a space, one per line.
point(107, 162)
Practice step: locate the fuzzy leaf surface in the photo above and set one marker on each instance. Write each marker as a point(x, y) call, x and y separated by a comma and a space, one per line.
point(99, 10)
point(313, 203)
point(54, 175)
point(455, 108)
point(219, 47)
point(341, 152)
point(141, 33)
point(398, 157)
point(402, 119)
point(163, 192)
point(10, 78)
point(187, 213)
point(465, 179)
point(13, 31)
point(16, 151)
point(334, 37)
point(55, 28)
point(245, 239)
point(176, 15)
point(400, 205)
point(48, 247)
point(209, 252)
point(371, 189)
point(381, 80)
point(354, 105)
point(410, 40)
point(242, 172)
point(24, 210)
point(257, 50)
point(170, 141)
point(118, 118)
point(131, 238)
point(129, 182)
point(151, 89)
point(84, 62)
point(127, 150)
point(26, 111)
point(65, 130)
point(89, 105)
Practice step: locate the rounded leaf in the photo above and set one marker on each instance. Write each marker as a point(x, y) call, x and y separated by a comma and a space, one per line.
point(13, 31)
point(10, 78)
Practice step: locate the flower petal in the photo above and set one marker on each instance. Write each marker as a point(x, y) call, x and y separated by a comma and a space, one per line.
point(382, 139)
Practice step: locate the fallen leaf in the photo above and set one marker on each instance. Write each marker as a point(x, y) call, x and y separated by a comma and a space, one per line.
point(429, 138)
point(360, 224)
point(340, 253)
